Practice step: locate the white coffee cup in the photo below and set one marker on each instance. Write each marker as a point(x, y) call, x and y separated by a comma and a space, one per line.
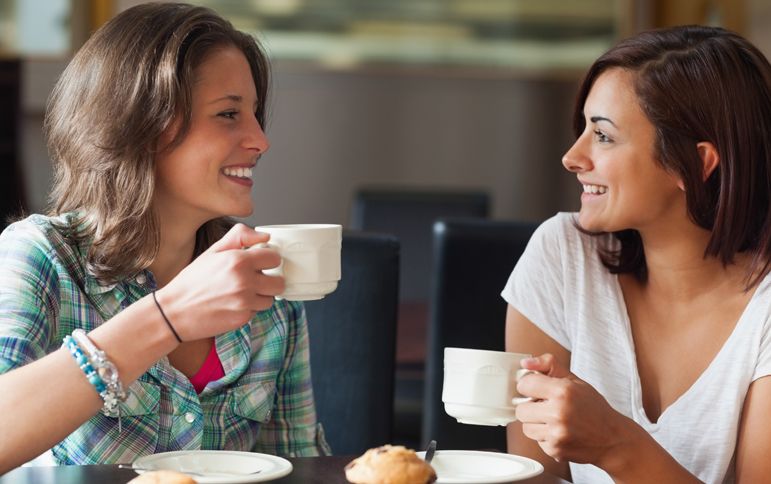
point(310, 258)
point(480, 386)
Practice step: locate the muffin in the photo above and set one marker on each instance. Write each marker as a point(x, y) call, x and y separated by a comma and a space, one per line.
point(162, 477)
point(389, 464)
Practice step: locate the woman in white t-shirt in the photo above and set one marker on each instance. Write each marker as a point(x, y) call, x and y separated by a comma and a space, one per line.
point(650, 309)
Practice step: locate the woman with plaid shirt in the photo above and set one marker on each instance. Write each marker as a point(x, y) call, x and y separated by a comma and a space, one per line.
point(154, 129)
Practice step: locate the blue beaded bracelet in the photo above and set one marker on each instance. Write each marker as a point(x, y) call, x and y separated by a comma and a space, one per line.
point(83, 362)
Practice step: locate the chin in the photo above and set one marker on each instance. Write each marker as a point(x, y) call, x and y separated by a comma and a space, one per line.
point(591, 224)
point(244, 211)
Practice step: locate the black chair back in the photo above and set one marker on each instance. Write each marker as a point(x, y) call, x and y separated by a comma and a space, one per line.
point(473, 260)
point(410, 216)
point(352, 345)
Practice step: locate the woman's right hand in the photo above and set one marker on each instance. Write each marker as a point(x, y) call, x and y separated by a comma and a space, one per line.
point(570, 420)
point(224, 287)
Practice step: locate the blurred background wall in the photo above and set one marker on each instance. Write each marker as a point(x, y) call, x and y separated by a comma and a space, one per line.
point(446, 94)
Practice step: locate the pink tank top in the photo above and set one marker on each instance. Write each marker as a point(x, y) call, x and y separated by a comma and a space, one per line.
point(210, 370)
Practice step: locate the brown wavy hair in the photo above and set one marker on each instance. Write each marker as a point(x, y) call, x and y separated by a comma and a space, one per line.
point(103, 121)
point(697, 84)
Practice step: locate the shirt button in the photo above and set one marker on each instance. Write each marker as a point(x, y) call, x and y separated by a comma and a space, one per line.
point(190, 417)
point(141, 278)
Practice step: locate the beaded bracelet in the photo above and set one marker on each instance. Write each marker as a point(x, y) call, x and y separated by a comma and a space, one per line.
point(100, 372)
point(82, 360)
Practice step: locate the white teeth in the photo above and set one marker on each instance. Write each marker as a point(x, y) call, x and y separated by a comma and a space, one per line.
point(239, 172)
point(598, 189)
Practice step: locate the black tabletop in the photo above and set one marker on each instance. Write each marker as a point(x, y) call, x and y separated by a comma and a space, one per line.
point(307, 470)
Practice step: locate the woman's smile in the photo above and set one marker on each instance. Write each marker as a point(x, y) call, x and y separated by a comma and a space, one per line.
point(241, 175)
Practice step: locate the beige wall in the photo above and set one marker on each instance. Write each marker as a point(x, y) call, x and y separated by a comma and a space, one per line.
point(335, 131)
point(758, 22)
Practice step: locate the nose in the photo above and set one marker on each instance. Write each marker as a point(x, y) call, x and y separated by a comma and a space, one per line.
point(575, 160)
point(255, 138)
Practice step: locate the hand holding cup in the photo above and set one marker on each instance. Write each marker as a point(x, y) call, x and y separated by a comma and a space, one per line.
point(568, 418)
point(224, 287)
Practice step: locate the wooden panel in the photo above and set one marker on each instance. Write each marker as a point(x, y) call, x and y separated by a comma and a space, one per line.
point(730, 14)
point(100, 12)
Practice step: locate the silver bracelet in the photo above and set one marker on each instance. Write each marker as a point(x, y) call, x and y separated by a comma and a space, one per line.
point(113, 393)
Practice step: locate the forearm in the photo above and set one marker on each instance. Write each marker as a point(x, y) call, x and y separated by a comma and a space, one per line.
point(135, 339)
point(639, 458)
point(43, 402)
point(518, 444)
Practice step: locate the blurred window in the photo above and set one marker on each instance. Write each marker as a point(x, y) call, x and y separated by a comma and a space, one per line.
point(35, 28)
point(529, 34)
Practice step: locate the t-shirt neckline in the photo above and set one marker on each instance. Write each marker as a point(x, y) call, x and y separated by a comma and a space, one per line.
point(636, 385)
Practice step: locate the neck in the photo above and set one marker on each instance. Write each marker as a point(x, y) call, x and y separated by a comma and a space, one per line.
point(177, 245)
point(677, 267)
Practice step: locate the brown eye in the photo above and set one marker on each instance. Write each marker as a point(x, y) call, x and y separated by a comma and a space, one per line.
point(602, 137)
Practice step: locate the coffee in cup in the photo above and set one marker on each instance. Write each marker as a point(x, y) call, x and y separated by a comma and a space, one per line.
point(310, 258)
point(480, 386)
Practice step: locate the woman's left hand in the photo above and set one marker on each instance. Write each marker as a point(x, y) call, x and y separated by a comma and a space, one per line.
point(569, 419)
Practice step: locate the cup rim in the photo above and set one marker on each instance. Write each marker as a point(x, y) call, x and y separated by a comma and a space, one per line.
point(298, 226)
point(454, 349)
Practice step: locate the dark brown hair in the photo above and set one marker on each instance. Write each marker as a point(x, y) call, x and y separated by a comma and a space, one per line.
point(697, 84)
point(127, 84)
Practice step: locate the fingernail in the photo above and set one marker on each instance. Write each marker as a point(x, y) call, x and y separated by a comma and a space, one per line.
point(529, 360)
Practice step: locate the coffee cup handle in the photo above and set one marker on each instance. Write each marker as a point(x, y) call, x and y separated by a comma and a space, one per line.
point(521, 373)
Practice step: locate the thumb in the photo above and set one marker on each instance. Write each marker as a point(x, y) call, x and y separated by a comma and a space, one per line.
point(546, 364)
point(238, 237)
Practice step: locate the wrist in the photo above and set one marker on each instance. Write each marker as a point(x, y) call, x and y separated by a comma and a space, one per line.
point(636, 457)
point(166, 314)
point(625, 449)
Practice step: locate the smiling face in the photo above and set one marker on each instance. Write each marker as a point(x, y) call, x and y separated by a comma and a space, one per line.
point(209, 174)
point(624, 186)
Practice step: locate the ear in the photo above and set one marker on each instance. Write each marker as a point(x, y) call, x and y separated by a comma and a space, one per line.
point(710, 159)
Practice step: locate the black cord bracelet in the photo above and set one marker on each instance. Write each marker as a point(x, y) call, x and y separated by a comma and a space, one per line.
point(166, 319)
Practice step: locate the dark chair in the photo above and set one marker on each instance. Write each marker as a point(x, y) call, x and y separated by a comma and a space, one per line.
point(12, 196)
point(409, 214)
point(473, 260)
point(352, 341)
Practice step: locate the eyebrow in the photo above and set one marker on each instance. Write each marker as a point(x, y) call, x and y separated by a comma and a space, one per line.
point(595, 119)
point(228, 97)
point(232, 97)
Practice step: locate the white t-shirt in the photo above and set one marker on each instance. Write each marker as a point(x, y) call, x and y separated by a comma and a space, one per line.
point(561, 286)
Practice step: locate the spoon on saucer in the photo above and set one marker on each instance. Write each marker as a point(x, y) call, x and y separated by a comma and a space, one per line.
point(430, 451)
point(192, 473)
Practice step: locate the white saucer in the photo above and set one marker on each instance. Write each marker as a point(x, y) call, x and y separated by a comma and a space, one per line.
point(218, 466)
point(476, 467)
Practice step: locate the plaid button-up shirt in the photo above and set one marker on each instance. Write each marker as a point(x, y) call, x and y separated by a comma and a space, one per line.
point(264, 403)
